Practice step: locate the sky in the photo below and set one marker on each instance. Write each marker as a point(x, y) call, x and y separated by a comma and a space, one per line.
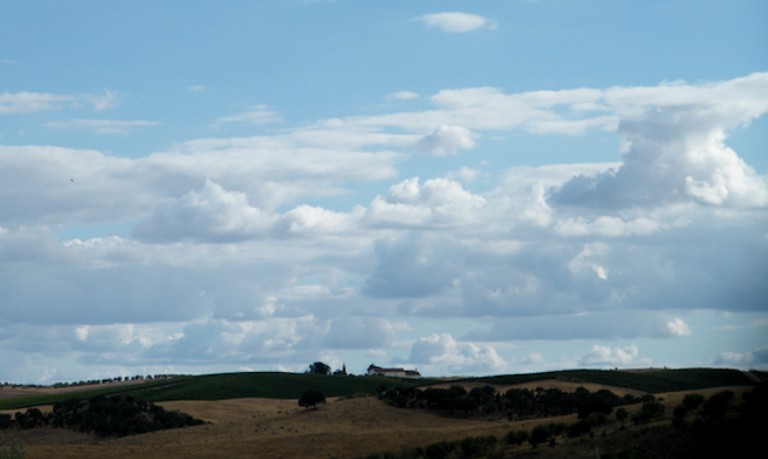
point(463, 188)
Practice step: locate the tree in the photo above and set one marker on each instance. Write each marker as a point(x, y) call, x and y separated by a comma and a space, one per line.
point(621, 415)
point(311, 398)
point(320, 368)
point(539, 435)
point(692, 401)
point(717, 404)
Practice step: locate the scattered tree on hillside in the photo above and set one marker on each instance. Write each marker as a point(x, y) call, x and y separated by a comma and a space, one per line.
point(692, 401)
point(311, 398)
point(320, 368)
point(717, 404)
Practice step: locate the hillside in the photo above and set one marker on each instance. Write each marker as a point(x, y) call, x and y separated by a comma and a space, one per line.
point(290, 385)
point(354, 425)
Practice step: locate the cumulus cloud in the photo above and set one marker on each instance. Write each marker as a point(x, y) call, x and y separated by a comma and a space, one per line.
point(413, 266)
point(678, 327)
point(459, 357)
point(447, 141)
point(605, 356)
point(212, 214)
point(456, 22)
point(232, 247)
point(436, 202)
point(596, 324)
point(674, 148)
point(756, 358)
point(359, 333)
point(312, 219)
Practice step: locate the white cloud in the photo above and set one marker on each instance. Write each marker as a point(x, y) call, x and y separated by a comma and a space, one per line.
point(456, 22)
point(608, 226)
point(403, 95)
point(674, 148)
point(678, 327)
point(213, 214)
point(305, 218)
point(458, 357)
point(31, 102)
point(605, 356)
point(754, 359)
point(436, 202)
point(101, 126)
point(237, 251)
point(447, 141)
point(257, 115)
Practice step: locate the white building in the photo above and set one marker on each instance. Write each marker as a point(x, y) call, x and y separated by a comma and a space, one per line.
point(374, 370)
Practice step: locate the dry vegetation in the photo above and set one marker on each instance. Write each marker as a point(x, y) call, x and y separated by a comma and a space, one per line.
point(268, 428)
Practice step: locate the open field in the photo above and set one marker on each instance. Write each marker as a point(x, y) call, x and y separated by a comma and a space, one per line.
point(345, 427)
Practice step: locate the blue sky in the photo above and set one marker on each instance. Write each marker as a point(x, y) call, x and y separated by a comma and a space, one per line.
point(460, 187)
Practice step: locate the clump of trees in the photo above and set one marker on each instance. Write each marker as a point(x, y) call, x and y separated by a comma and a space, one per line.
point(115, 415)
point(516, 404)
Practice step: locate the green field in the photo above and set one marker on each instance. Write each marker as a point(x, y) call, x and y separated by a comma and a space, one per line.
point(651, 381)
point(292, 385)
point(227, 386)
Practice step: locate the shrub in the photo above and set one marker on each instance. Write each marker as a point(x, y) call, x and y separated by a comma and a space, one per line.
point(439, 450)
point(692, 401)
point(621, 415)
point(12, 451)
point(311, 398)
point(539, 435)
point(478, 446)
point(650, 410)
point(579, 428)
point(717, 404)
point(517, 437)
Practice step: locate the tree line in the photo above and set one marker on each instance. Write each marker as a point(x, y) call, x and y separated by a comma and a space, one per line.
point(700, 427)
point(116, 415)
point(516, 404)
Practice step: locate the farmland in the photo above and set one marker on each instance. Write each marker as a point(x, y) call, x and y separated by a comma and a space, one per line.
point(256, 415)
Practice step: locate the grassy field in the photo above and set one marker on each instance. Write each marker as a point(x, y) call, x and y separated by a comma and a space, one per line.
point(291, 385)
point(257, 415)
point(342, 428)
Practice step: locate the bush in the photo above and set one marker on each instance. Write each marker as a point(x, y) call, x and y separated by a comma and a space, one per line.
point(517, 437)
point(12, 451)
point(650, 410)
point(439, 450)
point(539, 435)
point(579, 428)
point(594, 406)
point(621, 414)
point(692, 401)
point(311, 398)
point(717, 404)
point(478, 446)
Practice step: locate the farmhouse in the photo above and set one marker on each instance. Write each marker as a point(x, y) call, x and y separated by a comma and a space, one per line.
point(373, 370)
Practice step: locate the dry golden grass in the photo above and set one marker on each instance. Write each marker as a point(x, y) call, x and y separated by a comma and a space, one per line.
point(268, 428)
